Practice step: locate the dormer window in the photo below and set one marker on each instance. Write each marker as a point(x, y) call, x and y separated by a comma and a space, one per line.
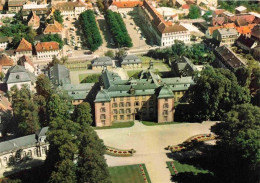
point(17, 76)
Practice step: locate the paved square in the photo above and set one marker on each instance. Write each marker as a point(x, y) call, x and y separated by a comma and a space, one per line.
point(149, 143)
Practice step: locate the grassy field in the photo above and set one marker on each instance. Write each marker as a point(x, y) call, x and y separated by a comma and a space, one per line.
point(151, 123)
point(133, 74)
point(184, 168)
point(78, 65)
point(89, 78)
point(117, 125)
point(128, 174)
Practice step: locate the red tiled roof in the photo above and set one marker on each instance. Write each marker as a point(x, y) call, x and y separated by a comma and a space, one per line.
point(219, 11)
point(127, 4)
point(218, 21)
point(34, 20)
point(185, 6)
point(6, 61)
point(5, 104)
point(248, 18)
point(53, 28)
point(24, 46)
point(245, 29)
point(47, 46)
point(230, 25)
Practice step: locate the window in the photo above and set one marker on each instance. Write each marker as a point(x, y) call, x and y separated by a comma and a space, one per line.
point(102, 109)
point(128, 117)
point(128, 104)
point(102, 116)
point(165, 118)
point(103, 104)
point(136, 103)
point(121, 104)
point(136, 97)
point(121, 98)
point(128, 98)
point(114, 99)
point(115, 118)
point(122, 117)
point(114, 105)
point(166, 105)
point(103, 122)
point(165, 112)
point(128, 111)
point(136, 110)
point(143, 97)
point(121, 111)
point(166, 100)
point(115, 111)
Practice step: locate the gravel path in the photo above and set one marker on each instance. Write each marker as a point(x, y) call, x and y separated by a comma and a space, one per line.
point(149, 143)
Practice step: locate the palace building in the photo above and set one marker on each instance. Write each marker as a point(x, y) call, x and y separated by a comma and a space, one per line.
point(146, 98)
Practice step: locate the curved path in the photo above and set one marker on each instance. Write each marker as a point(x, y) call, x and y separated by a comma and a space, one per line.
point(149, 143)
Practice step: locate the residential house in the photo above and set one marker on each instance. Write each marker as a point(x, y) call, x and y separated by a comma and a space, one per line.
point(255, 33)
point(207, 3)
point(4, 41)
point(164, 33)
point(210, 30)
point(24, 48)
point(246, 43)
point(218, 21)
point(26, 62)
point(54, 28)
point(130, 62)
point(124, 6)
point(40, 10)
point(59, 75)
point(241, 9)
point(47, 50)
point(33, 21)
point(71, 9)
point(9, 53)
point(18, 75)
point(183, 67)
point(225, 36)
point(226, 58)
point(101, 62)
point(5, 63)
point(14, 6)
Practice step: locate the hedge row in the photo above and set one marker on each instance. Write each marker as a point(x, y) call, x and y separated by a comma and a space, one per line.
point(90, 30)
point(118, 29)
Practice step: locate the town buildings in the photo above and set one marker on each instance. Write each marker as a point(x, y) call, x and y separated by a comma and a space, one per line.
point(5, 63)
point(33, 21)
point(226, 58)
point(4, 41)
point(164, 33)
point(54, 28)
point(101, 62)
point(71, 9)
point(47, 50)
point(225, 36)
point(130, 62)
point(24, 48)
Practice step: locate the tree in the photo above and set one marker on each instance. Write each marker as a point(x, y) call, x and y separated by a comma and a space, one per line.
point(25, 111)
point(216, 91)
point(194, 12)
point(43, 86)
point(53, 37)
point(179, 48)
point(110, 54)
point(57, 16)
point(92, 165)
point(120, 53)
point(57, 108)
point(100, 5)
point(243, 76)
point(90, 30)
point(82, 113)
point(239, 145)
point(54, 61)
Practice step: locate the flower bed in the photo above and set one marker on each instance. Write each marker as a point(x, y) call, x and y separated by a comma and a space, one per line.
point(199, 138)
point(144, 173)
point(118, 152)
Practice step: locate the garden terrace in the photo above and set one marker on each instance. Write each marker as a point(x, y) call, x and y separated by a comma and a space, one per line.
point(119, 152)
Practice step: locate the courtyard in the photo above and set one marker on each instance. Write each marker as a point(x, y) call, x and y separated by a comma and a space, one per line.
point(150, 143)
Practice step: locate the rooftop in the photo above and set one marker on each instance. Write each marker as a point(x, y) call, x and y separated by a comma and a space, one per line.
point(56, 27)
point(18, 74)
point(102, 61)
point(130, 59)
point(127, 4)
point(24, 46)
point(47, 46)
point(5, 60)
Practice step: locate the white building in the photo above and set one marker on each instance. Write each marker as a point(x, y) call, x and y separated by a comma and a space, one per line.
point(47, 50)
point(4, 41)
point(71, 9)
point(19, 76)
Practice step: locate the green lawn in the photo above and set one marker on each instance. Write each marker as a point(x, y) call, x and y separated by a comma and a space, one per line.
point(117, 125)
point(128, 174)
point(133, 74)
point(89, 78)
point(151, 123)
point(184, 168)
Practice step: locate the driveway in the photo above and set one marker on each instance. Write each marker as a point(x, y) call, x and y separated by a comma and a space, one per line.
point(149, 143)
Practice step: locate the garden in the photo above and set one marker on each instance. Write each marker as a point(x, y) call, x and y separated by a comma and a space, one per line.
point(129, 173)
point(89, 78)
point(119, 152)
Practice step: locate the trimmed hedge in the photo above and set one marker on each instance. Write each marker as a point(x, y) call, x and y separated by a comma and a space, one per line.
point(118, 29)
point(90, 30)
